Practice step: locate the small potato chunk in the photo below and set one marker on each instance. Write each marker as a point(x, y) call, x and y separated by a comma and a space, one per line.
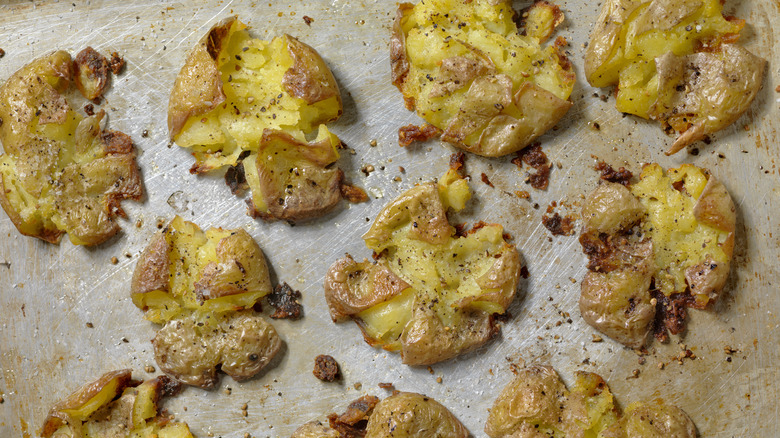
point(674, 61)
point(404, 414)
point(468, 71)
point(61, 172)
point(115, 406)
point(430, 294)
point(537, 404)
point(202, 286)
point(92, 73)
point(656, 420)
point(673, 230)
point(250, 105)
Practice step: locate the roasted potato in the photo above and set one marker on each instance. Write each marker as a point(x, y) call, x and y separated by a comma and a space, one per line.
point(404, 414)
point(655, 247)
point(252, 105)
point(676, 62)
point(467, 70)
point(537, 404)
point(60, 172)
point(430, 294)
point(115, 406)
point(202, 287)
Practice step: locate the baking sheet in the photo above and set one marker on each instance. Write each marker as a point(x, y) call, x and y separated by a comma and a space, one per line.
point(49, 293)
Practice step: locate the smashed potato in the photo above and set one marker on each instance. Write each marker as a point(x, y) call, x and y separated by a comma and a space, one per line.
point(656, 247)
point(404, 414)
point(537, 403)
point(431, 294)
point(115, 406)
point(674, 61)
point(202, 287)
point(61, 172)
point(467, 70)
point(254, 106)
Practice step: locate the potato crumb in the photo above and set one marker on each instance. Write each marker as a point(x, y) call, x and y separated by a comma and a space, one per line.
point(114, 260)
point(149, 369)
point(438, 379)
point(373, 143)
point(597, 338)
point(357, 385)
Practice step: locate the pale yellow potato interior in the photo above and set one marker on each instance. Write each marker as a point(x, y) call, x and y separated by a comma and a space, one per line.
point(680, 241)
point(191, 250)
point(252, 72)
point(632, 62)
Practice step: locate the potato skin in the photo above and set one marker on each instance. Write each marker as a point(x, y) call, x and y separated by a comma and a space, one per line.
point(656, 420)
point(56, 418)
point(198, 86)
point(81, 198)
point(243, 343)
point(309, 78)
point(408, 414)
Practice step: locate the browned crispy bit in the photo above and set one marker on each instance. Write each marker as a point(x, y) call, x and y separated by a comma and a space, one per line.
point(352, 423)
point(308, 20)
point(386, 385)
point(559, 225)
point(486, 180)
point(536, 158)
point(412, 133)
point(117, 142)
point(670, 314)
point(620, 176)
point(353, 194)
point(117, 63)
point(89, 109)
point(236, 179)
point(456, 161)
point(92, 73)
point(326, 368)
point(285, 300)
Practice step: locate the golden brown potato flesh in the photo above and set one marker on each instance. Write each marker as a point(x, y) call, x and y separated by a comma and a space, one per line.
point(201, 286)
point(115, 406)
point(253, 106)
point(430, 294)
point(92, 73)
point(655, 247)
point(537, 404)
point(402, 415)
point(468, 71)
point(674, 61)
point(60, 172)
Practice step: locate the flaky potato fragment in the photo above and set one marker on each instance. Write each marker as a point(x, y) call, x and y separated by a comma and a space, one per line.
point(61, 172)
point(655, 247)
point(674, 61)
point(201, 286)
point(403, 414)
point(468, 71)
point(252, 106)
point(430, 294)
point(115, 406)
point(537, 404)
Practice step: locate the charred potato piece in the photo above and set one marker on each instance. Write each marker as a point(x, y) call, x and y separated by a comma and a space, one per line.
point(404, 414)
point(430, 294)
point(673, 230)
point(251, 105)
point(115, 406)
point(538, 404)
point(674, 61)
point(202, 286)
point(467, 70)
point(60, 172)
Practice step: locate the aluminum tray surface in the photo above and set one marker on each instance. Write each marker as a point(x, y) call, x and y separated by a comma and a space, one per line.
point(49, 293)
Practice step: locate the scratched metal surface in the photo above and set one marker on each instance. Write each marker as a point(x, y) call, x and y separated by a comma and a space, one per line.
point(49, 293)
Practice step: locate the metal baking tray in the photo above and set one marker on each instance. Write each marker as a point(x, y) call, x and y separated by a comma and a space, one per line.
point(48, 293)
